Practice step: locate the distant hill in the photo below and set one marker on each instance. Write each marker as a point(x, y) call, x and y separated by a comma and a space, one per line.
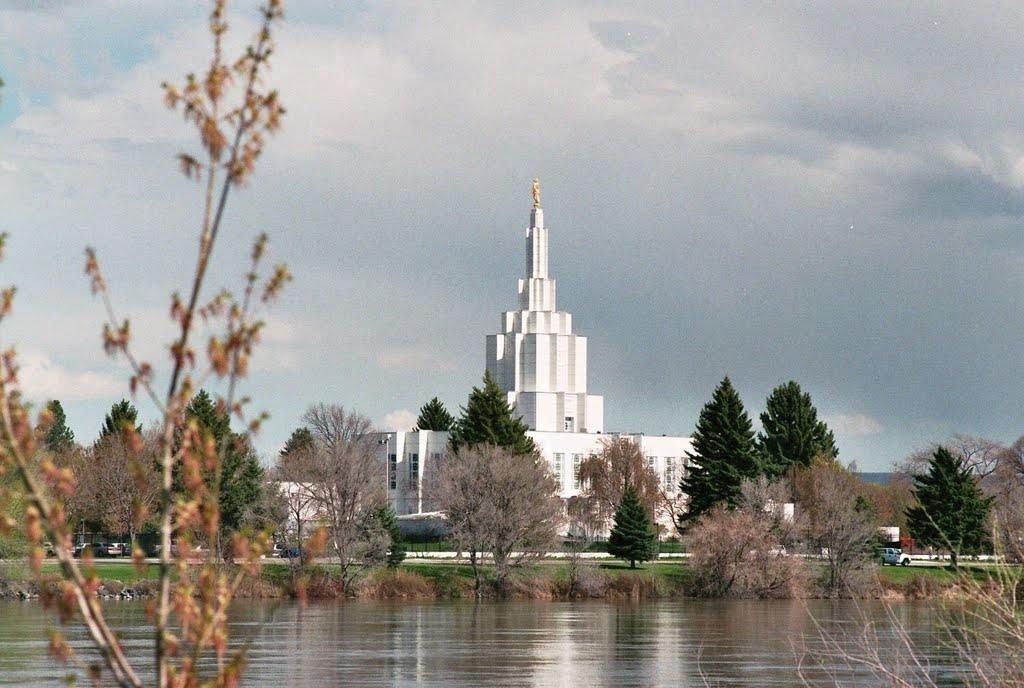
point(878, 478)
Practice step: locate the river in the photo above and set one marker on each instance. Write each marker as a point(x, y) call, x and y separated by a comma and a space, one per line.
point(519, 643)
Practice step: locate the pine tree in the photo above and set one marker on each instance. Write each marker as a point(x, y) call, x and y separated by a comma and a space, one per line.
point(487, 418)
point(59, 436)
point(633, 537)
point(301, 438)
point(122, 415)
point(241, 473)
point(952, 511)
point(792, 435)
point(434, 416)
point(724, 454)
point(386, 517)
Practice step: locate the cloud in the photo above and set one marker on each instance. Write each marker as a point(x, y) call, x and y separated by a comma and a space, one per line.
point(830, 196)
point(279, 347)
point(854, 424)
point(411, 359)
point(42, 379)
point(34, 5)
point(399, 420)
point(962, 194)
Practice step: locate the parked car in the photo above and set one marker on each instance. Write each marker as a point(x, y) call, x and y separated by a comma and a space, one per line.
point(291, 553)
point(895, 557)
point(97, 549)
point(116, 549)
point(178, 549)
point(154, 550)
point(277, 550)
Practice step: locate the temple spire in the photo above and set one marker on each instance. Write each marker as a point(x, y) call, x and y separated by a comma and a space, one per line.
point(537, 220)
point(535, 358)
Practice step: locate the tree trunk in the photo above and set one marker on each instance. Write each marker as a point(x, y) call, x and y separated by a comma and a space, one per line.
point(500, 571)
point(477, 582)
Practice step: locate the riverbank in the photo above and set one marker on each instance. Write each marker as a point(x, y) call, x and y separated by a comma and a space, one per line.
point(613, 581)
point(424, 580)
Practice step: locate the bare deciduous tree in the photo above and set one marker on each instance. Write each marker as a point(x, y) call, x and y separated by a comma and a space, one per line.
point(769, 498)
point(119, 482)
point(501, 503)
point(346, 484)
point(890, 501)
point(1012, 459)
point(270, 510)
point(1006, 485)
point(980, 454)
point(735, 554)
point(605, 475)
point(294, 471)
point(840, 530)
point(582, 527)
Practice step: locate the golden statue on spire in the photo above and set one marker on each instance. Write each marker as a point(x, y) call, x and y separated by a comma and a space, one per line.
point(536, 193)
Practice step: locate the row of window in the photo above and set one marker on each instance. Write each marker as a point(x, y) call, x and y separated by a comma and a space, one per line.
point(577, 459)
point(670, 476)
point(413, 462)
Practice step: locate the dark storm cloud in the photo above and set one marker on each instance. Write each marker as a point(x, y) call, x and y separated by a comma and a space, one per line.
point(881, 152)
point(958, 194)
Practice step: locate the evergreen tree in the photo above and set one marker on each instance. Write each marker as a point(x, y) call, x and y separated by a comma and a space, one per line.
point(487, 418)
point(434, 416)
point(386, 518)
point(633, 537)
point(724, 454)
point(59, 436)
point(952, 511)
point(792, 435)
point(122, 415)
point(301, 438)
point(241, 473)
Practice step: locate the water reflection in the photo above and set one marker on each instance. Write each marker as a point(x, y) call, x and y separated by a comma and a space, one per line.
point(729, 643)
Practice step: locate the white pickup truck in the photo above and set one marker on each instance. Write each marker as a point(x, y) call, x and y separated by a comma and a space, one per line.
point(895, 557)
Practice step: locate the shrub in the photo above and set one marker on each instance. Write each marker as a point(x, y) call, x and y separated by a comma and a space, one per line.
point(632, 586)
point(398, 585)
point(734, 554)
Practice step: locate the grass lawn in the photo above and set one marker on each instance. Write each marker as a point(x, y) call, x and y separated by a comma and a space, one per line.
point(668, 575)
point(902, 575)
point(123, 571)
point(433, 571)
point(672, 574)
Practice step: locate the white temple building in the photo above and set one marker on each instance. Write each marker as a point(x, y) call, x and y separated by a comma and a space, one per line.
point(536, 358)
point(542, 366)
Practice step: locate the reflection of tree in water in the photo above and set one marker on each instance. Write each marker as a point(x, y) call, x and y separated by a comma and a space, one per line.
point(744, 642)
point(632, 641)
point(732, 642)
point(467, 643)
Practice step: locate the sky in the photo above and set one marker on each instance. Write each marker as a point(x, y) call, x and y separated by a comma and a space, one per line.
point(822, 192)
